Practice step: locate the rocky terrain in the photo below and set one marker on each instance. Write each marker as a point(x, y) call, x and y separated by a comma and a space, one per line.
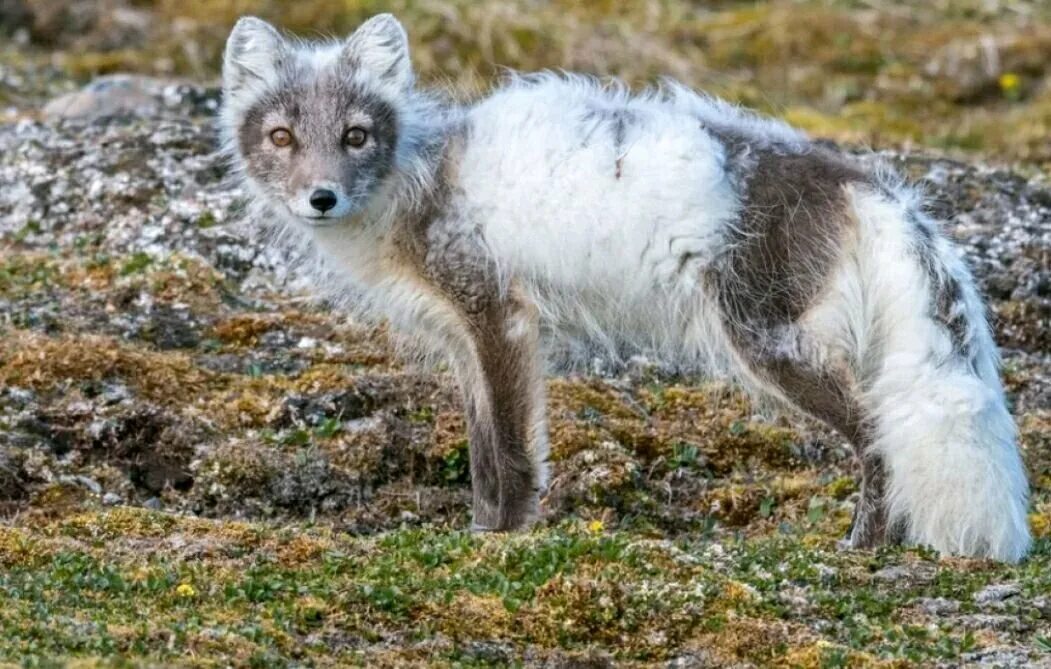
point(203, 465)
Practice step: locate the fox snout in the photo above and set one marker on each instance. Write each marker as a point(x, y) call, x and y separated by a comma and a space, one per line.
point(323, 199)
point(321, 202)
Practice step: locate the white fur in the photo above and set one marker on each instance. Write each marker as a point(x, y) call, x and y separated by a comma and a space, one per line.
point(942, 427)
point(595, 233)
point(599, 253)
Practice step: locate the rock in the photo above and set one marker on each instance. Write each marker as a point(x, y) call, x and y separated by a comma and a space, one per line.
point(1042, 605)
point(81, 481)
point(1004, 658)
point(488, 652)
point(153, 503)
point(132, 95)
point(16, 397)
point(694, 659)
point(994, 595)
point(938, 606)
point(349, 404)
point(112, 499)
point(311, 483)
point(828, 575)
point(169, 328)
point(108, 96)
point(987, 621)
point(114, 393)
point(919, 573)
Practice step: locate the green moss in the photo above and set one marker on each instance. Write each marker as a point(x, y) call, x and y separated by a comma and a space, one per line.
point(563, 587)
point(136, 263)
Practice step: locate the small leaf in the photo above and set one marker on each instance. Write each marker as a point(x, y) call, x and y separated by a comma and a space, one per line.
point(766, 507)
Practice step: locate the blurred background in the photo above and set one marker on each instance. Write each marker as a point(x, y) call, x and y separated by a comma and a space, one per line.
point(959, 75)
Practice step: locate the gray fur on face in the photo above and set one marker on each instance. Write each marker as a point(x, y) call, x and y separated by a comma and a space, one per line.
point(319, 109)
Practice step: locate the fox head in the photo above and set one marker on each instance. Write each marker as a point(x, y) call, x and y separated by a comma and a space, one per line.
point(315, 128)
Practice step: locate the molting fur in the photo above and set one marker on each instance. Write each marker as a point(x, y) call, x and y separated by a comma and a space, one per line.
point(561, 215)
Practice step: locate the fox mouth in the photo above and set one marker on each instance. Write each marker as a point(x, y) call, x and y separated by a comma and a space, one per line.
point(321, 221)
point(316, 220)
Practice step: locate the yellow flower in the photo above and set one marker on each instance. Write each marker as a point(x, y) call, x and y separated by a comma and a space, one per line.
point(1010, 82)
point(596, 526)
point(185, 590)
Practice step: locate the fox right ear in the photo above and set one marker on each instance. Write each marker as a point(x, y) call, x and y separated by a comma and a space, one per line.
point(254, 52)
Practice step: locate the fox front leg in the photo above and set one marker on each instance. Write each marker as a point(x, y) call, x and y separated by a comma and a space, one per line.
point(491, 335)
point(503, 392)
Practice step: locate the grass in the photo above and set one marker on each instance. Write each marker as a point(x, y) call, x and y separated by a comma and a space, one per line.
point(263, 595)
point(680, 522)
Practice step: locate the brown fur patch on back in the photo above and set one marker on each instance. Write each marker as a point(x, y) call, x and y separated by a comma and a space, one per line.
point(788, 237)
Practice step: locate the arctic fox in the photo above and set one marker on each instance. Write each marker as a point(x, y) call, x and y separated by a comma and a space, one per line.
point(561, 209)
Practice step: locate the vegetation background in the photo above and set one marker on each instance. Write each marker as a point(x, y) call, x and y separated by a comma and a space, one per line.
point(200, 466)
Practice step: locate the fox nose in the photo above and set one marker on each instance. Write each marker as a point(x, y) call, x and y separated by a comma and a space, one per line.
point(323, 199)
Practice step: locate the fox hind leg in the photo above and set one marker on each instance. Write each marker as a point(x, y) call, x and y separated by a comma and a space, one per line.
point(826, 392)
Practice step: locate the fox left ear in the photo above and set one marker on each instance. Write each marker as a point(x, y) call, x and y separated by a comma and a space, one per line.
point(381, 46)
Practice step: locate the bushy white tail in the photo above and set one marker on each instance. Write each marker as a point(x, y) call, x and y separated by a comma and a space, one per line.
point(939, 422)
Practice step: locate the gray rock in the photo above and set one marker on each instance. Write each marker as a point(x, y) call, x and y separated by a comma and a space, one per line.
point(938, 606)
point(993, 595)
point(81, 481)
point(1004, 658)
point(697, 659)
point(112, 499)
point(1042, 605)
point(107, 96)
point(918, 573)
point(993, 622)
point(132, 95)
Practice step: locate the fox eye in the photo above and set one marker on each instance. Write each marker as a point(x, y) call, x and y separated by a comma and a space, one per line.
point(281, 137)
point(355, 137)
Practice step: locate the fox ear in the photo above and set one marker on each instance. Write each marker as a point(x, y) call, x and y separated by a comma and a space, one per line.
point(254, 52)
point(381, 46)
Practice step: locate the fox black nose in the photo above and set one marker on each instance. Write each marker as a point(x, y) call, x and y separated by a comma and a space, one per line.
point(323, 200)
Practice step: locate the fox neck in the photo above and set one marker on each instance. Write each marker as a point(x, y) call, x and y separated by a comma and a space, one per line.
point(427, 129)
